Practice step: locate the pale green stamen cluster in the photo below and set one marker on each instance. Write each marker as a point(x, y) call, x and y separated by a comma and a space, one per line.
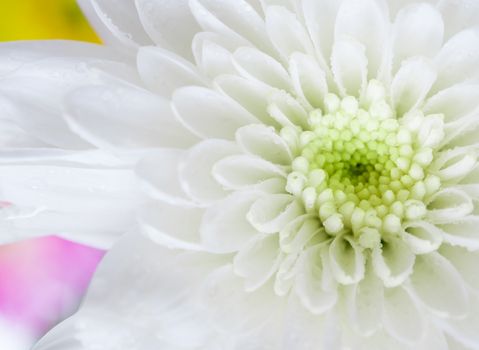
point(359, 169)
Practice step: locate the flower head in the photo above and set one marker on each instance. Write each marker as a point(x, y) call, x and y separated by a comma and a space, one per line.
point(311, 168)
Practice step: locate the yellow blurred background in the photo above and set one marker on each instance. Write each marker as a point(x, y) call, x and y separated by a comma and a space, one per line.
point(43, 19)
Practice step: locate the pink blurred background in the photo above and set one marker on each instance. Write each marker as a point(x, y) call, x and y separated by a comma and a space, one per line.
point(42, 281)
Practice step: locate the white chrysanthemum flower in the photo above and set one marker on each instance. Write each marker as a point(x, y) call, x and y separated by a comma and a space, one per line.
point(311, 167)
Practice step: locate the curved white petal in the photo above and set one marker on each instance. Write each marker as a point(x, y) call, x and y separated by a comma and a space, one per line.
point(366, 21)
point(117, 22)
point(240, 17)
point(431, 133)
point(209, 114)
point(309, 285)
point(40, 198)
point(468, 183)
point(455, 102)
point(457, 60)
point(449, 205)
point(231, 308)
point(212, 54)
point(299, 232)
point(160, 18)
point(286, 32)
point(36, 122)
point(320, 17)
point(309, 80)
point(165, 224)
point(365, 304)
point(418, 30)
point(462, 133)
point(458, 15)
point(252, 95)
point(304, 330)
point(411, 84)
point(434, 339)
point(459, 107)
point(270, 213)
point(454, 165)
point(462, 233)
point(422, 237)
point(439, 286)
point(350, 66)
point(240, 171)
point(196, 167)
point(158, 173)
point(32, 92)
point(164, 72)
point(257, 261)
point(402, 317)
point(224, 227)
point(285, 276)
point(465, 262)
point(393, 262)
point(465, 330)
point(124, 117)
point(256, 65)
point(210, 17)
point(286, 110)
point(347, 260)
point(264, 142)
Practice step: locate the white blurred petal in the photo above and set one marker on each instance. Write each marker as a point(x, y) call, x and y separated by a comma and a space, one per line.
point(366, 21)
point(252, 95)
point(365, 304)
point(271, 212)
point(309, 80)
point(195, 171)
point(393, 262)
point(164, 72)
point(417, 31)
point(236, 172)
point(411, 84)
point(462, 233)
point(224, 227)
point(264, 142)
point(347, 260)
point(125, 117)
point(117, 22)
point(160, 19)
point(209, 114)
point(350, 66)
point(439, 286)
point(257, 261)
point(402, 317)
point(458, 58)
point(286, 32)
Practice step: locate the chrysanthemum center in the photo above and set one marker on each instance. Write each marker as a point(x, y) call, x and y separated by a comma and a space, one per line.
point(360, 169)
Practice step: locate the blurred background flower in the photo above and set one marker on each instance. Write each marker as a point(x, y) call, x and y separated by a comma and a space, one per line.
point(41, 280)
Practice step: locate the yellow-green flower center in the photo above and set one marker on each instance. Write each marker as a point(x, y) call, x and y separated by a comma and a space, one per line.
point(360, 169)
